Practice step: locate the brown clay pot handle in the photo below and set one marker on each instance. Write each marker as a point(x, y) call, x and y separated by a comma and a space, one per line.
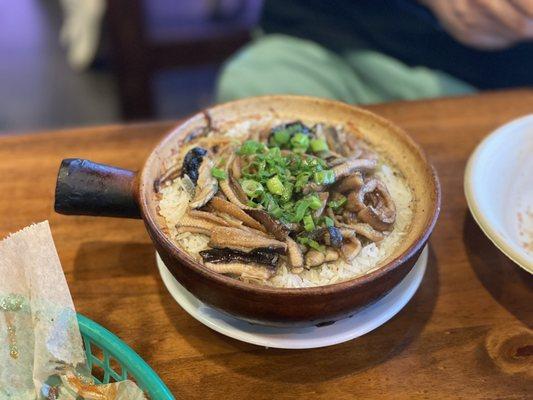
point(87, 188)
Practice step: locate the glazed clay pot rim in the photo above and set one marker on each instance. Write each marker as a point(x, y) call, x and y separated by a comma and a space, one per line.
point(227, 281)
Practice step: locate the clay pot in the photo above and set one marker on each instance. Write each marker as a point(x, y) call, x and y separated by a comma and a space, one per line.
point(87, 188)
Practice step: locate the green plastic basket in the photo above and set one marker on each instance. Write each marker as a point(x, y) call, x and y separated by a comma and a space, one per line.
point(114, 351)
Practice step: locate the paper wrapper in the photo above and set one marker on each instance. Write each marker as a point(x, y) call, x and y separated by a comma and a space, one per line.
point(41, 350)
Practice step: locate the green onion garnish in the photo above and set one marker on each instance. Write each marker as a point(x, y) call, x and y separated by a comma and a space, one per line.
point(300, 141)
point(314, 202)
point(252, 188)
point(301, 180)
point(309, 225)
point(300, 209)
point(315, 245)
point(275, 186)
point(326, 177)
point(336, 204)
point(318, 145)
point(218, 173)
point(287, 192)
point(328, 222)
point(282, 137)
point(251, 147)
point(311, 243)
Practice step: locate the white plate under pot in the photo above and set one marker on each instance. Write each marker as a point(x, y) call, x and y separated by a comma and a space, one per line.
point(498, 186)
point(359, 324)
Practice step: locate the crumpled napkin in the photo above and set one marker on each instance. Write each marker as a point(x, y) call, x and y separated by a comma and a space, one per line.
point(41, 350)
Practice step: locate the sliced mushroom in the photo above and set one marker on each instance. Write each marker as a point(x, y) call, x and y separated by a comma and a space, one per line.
point(206, 186)
point(356, 199)
point(319, 130)
point(189, 222)
point(230, 208)
point(334, 159)
point(314, 258)
point(332, 137)
point(255, 231)
point(380, 218)
point(312, 187)
point(193, 229)
point(330, 213)
point(274, 227)
point(213, 218)
point(369, 154)
point(296, 258)
point(231, 188)
point(235, 168)
point(351, 249)
point(350, 183)
point(381, 214)
point(246, 271)
point(351, 165)
point(353, 146)
point(364, 230)
point(188, 185)
point(192, 162)
point(329, 236)
point(349, 217)
point(238, 239)
point(230, 194)
point(259, 256)
point(347, 233)
point(331, 255)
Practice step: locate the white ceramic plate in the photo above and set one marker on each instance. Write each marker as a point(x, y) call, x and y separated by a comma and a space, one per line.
point(499, 189)
point(362, 322)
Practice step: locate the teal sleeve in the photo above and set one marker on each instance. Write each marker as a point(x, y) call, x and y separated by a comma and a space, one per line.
point(280, 64)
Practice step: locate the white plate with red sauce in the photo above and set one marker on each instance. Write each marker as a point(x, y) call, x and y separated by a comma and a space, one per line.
point(499, 189)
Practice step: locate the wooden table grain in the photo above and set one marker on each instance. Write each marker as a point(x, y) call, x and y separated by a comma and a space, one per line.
point(465, 334)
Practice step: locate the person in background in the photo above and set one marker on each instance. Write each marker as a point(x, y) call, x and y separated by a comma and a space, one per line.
point(366, 51)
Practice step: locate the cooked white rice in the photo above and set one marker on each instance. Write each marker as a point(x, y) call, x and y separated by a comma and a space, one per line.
point(174, 201)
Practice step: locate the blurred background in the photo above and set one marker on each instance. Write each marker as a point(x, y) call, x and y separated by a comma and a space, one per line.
point(80, 62)
point(86, 62)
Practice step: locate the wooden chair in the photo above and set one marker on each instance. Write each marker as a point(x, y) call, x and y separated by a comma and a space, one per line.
point(141, 47)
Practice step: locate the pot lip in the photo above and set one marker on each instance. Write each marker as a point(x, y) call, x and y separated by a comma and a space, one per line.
point(235, 284)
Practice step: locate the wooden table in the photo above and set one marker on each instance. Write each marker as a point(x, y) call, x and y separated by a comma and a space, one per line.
point(466, 333)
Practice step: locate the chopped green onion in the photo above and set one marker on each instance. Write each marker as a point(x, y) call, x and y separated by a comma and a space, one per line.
point(317, 246)
point(336, 204)
point(309, 225)
point(272, 206)
point(251, 147)
point(252, 188)
point(301, 180)
point(300, 141)
point(325, 177)
point(314, 202)
point(300, 209)
point(318, 145)
point(287, 192)
point(218, 173)
point(274, 159)
point(250, 203)
point(275, 186)
point(276, 212)
point(302, 240)
point(328, 222)
point(311, 243)
point(282, 137)
point(293, 128)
